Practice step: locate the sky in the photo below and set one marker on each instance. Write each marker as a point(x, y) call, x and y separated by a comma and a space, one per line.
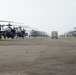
point(45, 15)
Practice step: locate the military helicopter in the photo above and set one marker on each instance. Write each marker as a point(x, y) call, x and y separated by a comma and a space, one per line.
point(1, 32)
point(20, 32)
point(36, 33)
point(9, 32)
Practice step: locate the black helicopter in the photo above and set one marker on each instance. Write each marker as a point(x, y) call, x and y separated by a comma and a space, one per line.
point(1, 31)
point(36, 33)
point(9, 32)
point(20, 32)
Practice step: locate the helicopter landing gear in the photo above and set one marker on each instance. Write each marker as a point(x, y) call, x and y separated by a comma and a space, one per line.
point(0, 36)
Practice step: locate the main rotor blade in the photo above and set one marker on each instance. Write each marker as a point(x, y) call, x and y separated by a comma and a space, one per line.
point(25, 26)
point(10, 22)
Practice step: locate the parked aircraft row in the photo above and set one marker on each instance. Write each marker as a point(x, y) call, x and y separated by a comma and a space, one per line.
point(36, 33)
point(70, 34)
point(11, 31)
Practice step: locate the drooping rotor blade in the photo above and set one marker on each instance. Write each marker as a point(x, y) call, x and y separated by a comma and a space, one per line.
point(33, 28)
point(2, 25)
point(19, 27)
point(3, 21)
point(25, 26)
point(10, 22)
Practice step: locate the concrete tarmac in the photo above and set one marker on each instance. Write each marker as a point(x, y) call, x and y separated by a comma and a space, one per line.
point(38, 56)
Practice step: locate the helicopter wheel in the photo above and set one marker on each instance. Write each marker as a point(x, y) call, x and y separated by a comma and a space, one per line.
point(22, 36)
point(4, 37)
point(12, 37)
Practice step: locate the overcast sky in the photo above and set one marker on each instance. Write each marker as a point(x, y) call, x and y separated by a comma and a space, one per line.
point(46, 15)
